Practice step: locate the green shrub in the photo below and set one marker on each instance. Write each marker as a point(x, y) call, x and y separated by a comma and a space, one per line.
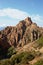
point(23, 57)
point(39, 62)
point(7, 53)
point(39, 43)
point(11, 51)
point(5, 62)
point(18, 59)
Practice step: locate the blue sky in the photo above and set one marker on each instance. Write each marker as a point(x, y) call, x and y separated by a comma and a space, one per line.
point(12, 11)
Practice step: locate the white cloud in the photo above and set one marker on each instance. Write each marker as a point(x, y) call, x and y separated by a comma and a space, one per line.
point(18, 14)
point(13, 13)
point(3, 25)
point(37, 19)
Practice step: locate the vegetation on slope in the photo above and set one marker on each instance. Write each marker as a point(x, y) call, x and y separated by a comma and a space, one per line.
point(11, 51)
point(39, 43)
point(40, 62)
point(8, 53)
point(22, 58)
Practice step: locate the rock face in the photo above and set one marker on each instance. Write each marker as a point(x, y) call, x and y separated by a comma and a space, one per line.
point(24, 32)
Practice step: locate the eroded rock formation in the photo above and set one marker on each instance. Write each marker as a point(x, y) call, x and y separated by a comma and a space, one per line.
point(20, 35)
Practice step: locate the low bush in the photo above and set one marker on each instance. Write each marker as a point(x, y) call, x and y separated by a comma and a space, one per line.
point(39, 43)
point(23, 57)
point(40, 62)
point(18, 59)
point(5, 62)
point(11, 51)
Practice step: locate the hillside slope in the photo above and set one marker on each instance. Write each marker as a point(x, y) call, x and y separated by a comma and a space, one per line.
point(23, 33)
point(24, 38)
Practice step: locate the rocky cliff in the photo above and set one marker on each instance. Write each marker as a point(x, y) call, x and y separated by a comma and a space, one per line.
point(21, 34)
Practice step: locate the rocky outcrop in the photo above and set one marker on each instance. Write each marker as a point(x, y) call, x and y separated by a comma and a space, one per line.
point(20, 35)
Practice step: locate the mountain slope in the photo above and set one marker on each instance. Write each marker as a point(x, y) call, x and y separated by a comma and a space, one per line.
point(25, 37)
point(20, 34)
